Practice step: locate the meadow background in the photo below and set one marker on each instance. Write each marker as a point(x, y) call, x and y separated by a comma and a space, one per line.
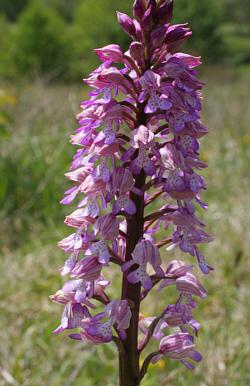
point(46, 48)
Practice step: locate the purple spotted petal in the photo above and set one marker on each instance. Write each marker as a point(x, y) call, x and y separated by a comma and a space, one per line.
point(202, 262)
point(174, 181)
point(140, 275)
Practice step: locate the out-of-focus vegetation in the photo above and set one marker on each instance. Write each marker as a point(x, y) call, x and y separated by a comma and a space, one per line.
point(56, 38)
point(35, 153)
point(46, 40)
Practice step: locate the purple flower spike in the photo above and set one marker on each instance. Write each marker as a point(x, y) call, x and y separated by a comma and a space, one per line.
point(134, 151)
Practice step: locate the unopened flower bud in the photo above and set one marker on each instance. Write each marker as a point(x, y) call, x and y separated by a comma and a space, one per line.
point(160, 2)
point(176, 36)
point(136, 50)
point(157, 36)
point(147, 20)
point(111, 52)
point(126, 23)
point(138, 10)
point(173, 317)
point(152, 3)
point(170, 11)
point(160, 17)
point(138, 30)
point(63, 298)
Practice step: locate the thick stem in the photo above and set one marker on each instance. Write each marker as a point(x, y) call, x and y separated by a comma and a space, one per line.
point(129, 361)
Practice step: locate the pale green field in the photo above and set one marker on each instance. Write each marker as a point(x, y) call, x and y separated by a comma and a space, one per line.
point(35, 153)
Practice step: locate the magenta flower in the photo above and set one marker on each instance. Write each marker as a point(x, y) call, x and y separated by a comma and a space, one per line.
point(67, 322)
point(150, 83)
point(178, 346)
point(122, 180)
point(118, 314)
point(108, 227)
point(141, 139)
point(144, 253)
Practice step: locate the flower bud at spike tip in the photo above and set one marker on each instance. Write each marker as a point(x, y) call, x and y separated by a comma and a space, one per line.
point(126, 23)
point(160, 17)
point(160, 2)
point(138, 30)
point(136, 50)
point(138, 10)
point(147, 20)
point(170, 11)
point(153, 5)
point(157, 36)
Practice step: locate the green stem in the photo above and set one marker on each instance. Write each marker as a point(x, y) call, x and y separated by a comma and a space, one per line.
point(145, 365)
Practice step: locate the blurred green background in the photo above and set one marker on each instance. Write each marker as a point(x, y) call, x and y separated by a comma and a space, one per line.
point(46, 48)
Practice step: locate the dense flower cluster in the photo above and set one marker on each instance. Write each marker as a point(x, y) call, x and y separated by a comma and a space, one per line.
point(157, 144)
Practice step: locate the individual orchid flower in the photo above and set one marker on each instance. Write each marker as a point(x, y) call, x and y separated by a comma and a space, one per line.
point(74, 241)
point(69, 322)
point(144, 253)
point(141, 138)
point(108, 227)
point(122, 180)
point(118, 314)
point(178, 346)
point(105, 151)
point(150, 83)
point(174, 180)
point(104, 82)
